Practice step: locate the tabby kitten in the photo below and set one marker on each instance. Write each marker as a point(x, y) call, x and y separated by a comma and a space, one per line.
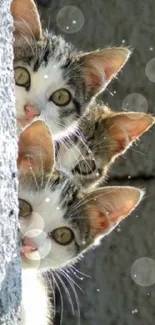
point(101, 136)
point(54, 80)
point(59, 220)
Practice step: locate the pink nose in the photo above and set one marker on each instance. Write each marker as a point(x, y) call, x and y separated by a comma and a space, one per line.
point(30, 112)
point(28, 246)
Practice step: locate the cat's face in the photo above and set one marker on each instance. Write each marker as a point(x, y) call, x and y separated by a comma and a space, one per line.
point(58, 219)
point(52, 79)
point(102, 135)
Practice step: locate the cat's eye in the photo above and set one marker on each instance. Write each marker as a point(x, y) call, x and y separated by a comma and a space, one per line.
point(22, 77)
point(63, 236)
point(25, 208)
point(85, 167)
point(61, 97)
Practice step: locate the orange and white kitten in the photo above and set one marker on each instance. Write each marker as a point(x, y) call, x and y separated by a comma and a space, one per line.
point(59, 220)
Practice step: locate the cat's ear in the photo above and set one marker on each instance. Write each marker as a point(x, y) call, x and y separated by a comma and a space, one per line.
point(107, 207)
point(36, 149)
point(100, 66)
point(123, 128)
point(26, 19)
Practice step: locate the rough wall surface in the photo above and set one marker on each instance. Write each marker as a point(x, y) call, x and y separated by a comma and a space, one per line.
point(9, 259)
point(111, 297)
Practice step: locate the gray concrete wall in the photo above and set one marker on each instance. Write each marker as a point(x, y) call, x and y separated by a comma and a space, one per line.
point(119, 300)
point(9, 259)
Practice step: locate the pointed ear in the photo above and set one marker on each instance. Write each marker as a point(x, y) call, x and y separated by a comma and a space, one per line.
point(36, 148)
point(26, 19)
point(123, 128)
point(100, 66)
point(108, 206)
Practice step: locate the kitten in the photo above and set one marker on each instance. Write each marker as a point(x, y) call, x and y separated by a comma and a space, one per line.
point(59, 219)
point(52, 78)
point(102, 135)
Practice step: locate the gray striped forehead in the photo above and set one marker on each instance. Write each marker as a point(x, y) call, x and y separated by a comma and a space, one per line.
point(32, 52)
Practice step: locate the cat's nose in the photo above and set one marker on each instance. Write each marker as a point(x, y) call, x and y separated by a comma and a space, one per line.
point(28, 246)
point(31, 111)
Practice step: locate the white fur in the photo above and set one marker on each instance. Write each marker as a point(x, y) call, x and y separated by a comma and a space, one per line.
point(47, 217)
point(34, 306)
point(44, 83)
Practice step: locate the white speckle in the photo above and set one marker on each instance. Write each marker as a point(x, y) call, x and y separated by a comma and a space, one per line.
point(74, 21)
point(129, 177)
point(114, 91)
point(46, 76)
point(98, 290)
point(81, 278)
point(137, 216)
point(148, 294)
point(83, 242)
point(47, 199)
point(151, 48)
point(58, 208)
point(97, 174)
point(135, 311)
point(123, 41)
point(67, 27)
point(118, 229)
point(135, 275)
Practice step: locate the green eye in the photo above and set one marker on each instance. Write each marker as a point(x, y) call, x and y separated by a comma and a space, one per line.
point(24, 208)
point(63, 236)
point(22, 77)
point(61, 97)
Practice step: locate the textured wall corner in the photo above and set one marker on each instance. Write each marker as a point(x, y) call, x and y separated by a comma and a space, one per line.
point(9, 258)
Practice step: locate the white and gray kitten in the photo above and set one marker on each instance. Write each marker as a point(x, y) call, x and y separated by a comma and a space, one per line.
point(101, 136)
point(52, 78)
point(59, 219)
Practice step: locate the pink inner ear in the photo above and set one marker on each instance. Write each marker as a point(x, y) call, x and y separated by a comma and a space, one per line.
point(109, 205)
point(123, 128)
point(36, 148)
point(95, 79)
point(26, 18)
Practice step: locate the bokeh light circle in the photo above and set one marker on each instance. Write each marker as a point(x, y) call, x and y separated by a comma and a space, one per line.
point(150, 70)
point(135, 102)
point(143, 271)
point(70, 19)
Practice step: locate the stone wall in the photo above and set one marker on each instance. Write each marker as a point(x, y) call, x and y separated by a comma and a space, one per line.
point(9, 259)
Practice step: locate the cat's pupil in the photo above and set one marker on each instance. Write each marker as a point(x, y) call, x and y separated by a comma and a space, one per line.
point(61, 97)
point(85, 167)
point(63, 235)
point(22, 77)
point(25, 208)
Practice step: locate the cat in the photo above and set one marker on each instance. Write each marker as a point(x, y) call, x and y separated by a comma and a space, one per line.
point(101, 136)
point(59, 219)
point(53, 80)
